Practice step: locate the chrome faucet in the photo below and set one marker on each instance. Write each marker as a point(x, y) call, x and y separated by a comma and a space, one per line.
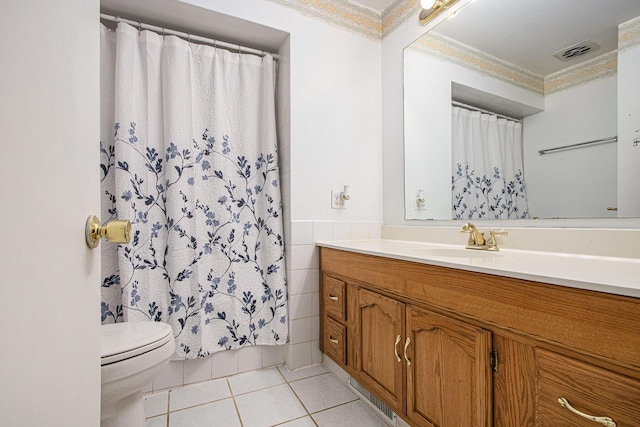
point(477, 240)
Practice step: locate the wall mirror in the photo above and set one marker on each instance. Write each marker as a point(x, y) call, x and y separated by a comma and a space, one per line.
point(494, 60)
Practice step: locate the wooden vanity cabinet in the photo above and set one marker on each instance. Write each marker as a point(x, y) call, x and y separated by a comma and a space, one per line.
point(445, 347)
point(432, 368)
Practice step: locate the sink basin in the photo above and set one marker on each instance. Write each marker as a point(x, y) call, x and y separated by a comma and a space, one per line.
point(455, 253)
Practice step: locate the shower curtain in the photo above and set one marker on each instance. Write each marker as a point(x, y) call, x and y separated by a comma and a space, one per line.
point(487, 180)
point(189, 156)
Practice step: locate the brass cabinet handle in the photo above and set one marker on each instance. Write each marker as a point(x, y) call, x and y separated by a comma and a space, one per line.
point(332, 297)
point(332, 340)
point(395, 349)
point(606, 421)
point(406, 344)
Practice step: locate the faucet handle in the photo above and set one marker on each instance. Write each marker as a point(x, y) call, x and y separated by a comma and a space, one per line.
point(492, 244)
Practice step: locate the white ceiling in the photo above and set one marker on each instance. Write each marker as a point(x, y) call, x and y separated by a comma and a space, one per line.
point(527, 33)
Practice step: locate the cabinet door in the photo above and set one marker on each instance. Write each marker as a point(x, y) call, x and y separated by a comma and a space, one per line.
point(448, 372)
point(379, 324)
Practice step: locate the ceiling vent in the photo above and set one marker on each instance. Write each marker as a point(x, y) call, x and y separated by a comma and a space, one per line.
point(576, 50)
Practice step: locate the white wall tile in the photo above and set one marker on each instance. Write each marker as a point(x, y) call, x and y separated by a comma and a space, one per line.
point(303, 257)
point(302, 233)
point(197, 370)
point(299, 355)
point(375, 230)
point(316, 354)
point(301, 330)
point(287, 238)
point(315, 307)
point(249, 358)
point(322, 230)
point(315, 328)
point(273, 355)
point(303, 281)
point(173, 375)
point(341, 231)
point(360, 230)
point(224, 363)
point(300, 306)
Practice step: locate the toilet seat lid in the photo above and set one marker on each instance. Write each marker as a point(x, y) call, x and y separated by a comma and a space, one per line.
point(128, 339)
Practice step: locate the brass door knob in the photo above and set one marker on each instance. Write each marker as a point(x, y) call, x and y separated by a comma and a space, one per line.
point(113, 231)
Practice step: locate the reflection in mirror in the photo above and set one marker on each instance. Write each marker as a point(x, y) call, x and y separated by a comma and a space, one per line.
point(488, 83)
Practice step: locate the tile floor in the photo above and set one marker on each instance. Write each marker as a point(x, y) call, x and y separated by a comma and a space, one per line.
point(307, 397)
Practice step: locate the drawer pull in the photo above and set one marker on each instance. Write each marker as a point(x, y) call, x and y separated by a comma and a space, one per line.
point(606, 421)
point(395, 349)
point(406, 344)
point(333, 340)
point(332, 297)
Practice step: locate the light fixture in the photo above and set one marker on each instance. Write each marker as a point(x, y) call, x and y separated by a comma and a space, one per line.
point(433, 8)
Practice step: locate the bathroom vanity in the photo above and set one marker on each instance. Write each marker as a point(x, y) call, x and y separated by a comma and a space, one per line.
point(449, 340)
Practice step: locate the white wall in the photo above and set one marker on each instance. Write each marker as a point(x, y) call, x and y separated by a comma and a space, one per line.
point(335, 111)
point(577, 183)
point(50, 282)
point(629, 130)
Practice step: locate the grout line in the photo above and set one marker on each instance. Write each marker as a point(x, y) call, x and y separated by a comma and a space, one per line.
point(168, 407)
point(286, 381)
point(235, 405)
point(301, 403)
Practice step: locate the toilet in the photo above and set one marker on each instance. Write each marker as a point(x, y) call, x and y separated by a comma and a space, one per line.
point(133, 354)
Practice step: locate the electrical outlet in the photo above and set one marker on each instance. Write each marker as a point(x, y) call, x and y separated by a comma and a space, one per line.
point(336, 200)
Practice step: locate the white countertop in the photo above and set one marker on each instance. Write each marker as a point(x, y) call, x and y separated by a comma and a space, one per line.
point(619, 276)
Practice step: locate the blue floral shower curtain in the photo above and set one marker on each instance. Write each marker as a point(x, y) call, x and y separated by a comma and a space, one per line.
point(189, 156)
point(487, 180)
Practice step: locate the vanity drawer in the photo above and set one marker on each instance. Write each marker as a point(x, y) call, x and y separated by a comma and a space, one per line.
point(588, 389)
point(335, 340)
point(334, 297)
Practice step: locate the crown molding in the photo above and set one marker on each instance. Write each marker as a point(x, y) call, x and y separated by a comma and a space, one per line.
point(353, 17)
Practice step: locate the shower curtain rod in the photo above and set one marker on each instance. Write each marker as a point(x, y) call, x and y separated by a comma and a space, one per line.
point(564, 147)
point(188, 37)
point(472, 108)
